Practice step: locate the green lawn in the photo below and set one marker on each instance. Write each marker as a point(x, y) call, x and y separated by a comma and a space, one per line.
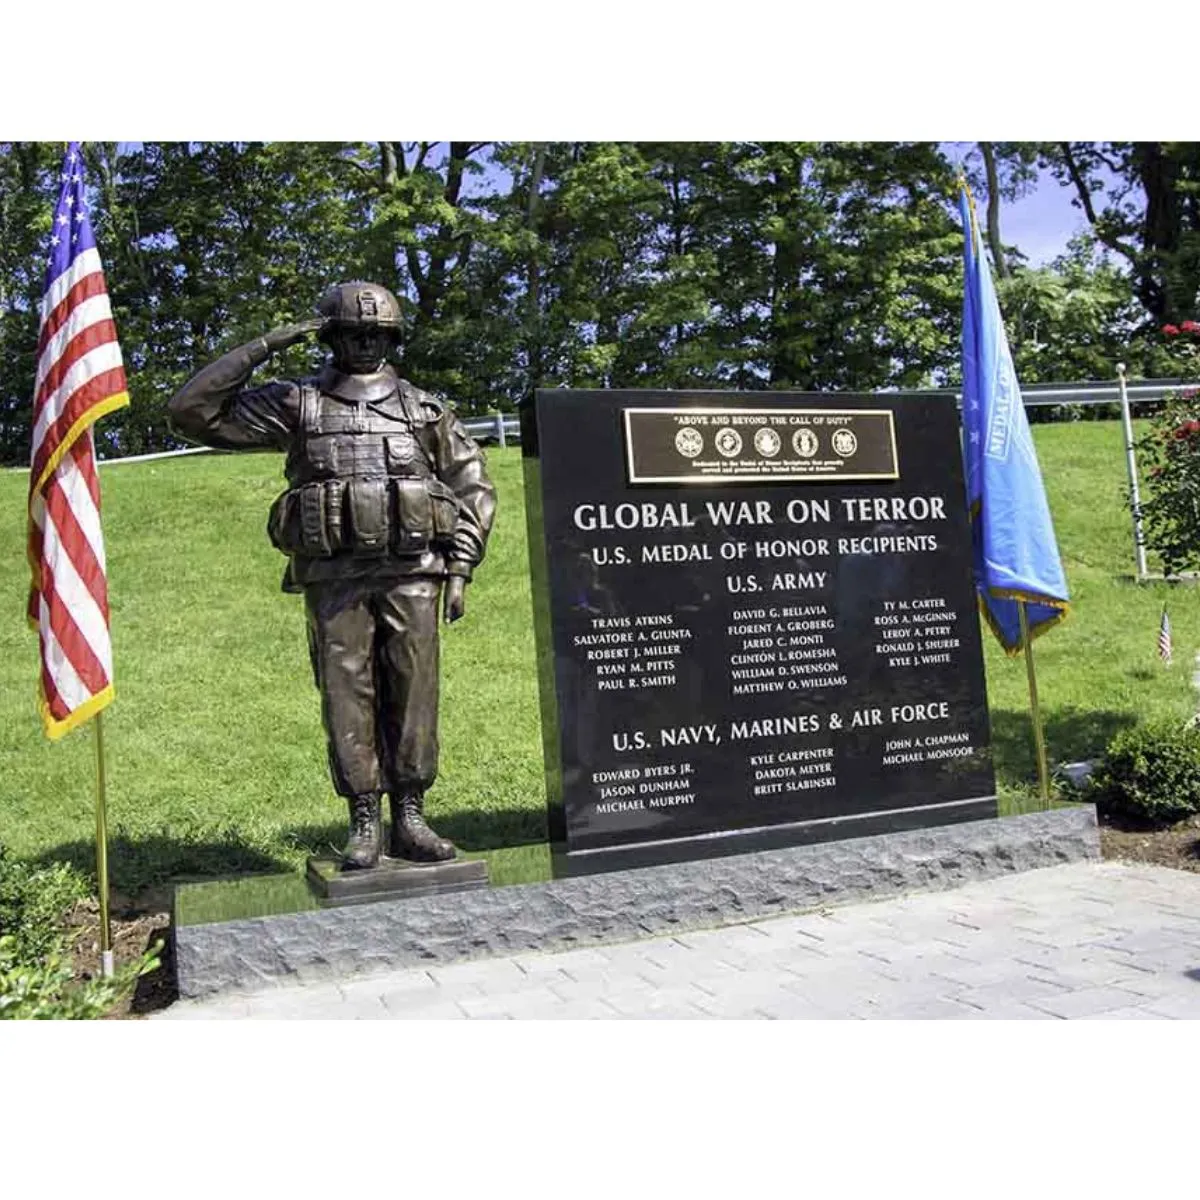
point(216, 759)
point(1099, 670)
point(215, 755)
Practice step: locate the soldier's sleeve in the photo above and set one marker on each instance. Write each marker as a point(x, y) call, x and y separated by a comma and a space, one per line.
point(462, 468)
point(215, 408)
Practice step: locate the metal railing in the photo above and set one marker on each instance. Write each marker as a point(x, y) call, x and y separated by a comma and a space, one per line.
point(1046, 395)
point(1037, 395)
point(502, 428)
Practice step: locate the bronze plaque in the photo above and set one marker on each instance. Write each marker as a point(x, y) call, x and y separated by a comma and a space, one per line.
point(758, 445)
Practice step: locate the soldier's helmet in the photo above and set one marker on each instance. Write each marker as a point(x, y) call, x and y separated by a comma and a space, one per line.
point(359, 305)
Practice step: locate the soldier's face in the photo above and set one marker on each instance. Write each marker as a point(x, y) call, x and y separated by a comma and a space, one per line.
point(359, 351)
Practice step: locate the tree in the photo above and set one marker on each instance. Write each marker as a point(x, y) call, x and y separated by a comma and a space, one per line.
point(859, 253)
point(206, 245)
point(1009, 171)
point(28, 185)
point(1142, 201)
point(802, 265)
point(746, 264)
point(1075, 319)
point(426, 224)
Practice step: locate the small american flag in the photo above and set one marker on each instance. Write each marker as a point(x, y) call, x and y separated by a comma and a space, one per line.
point(80, 377)
point(1164, 637)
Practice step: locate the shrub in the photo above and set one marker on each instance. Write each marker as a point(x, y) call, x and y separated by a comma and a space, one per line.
point(33, 903)
point(46, 991)
point(1169, 456)
point(1150, 773)
point(36, 979)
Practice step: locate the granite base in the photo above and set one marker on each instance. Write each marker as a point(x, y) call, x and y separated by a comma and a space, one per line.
point(259, 952)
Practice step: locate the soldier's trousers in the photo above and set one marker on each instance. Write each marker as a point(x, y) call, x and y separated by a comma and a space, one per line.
point(374, 651)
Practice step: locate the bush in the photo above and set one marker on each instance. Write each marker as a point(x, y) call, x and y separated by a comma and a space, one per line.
point(46, 991)
point(36, 979)
point(1150, 773)
point(1169, 456)
point(33, 903)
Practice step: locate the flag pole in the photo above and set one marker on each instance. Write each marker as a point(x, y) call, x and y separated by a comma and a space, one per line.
point(106, 954)
point(1038, 740)
point(1135, 500)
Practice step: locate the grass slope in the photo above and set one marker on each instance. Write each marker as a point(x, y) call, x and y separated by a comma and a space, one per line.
point(215, 753)
point(1098, 671)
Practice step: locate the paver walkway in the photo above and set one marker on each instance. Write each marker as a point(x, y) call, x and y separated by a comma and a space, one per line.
point(1088, 940)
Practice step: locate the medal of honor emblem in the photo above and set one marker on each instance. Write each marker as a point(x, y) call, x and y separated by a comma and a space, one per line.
point(689, 441)
point(844, 443)
point(728, 442)
point(766, 442)
point(804, 442)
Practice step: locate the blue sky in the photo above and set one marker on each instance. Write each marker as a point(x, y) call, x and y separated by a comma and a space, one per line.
point(1040, 223)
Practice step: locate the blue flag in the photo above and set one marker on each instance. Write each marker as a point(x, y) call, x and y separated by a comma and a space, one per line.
point(1015, 554)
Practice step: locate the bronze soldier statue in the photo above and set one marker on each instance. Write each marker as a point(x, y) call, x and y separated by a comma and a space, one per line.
point(388, 505)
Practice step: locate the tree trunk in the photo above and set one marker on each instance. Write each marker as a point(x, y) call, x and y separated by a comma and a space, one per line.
point(1159, 176)
point(533, 314)
point(387, 163)
point(993, 211)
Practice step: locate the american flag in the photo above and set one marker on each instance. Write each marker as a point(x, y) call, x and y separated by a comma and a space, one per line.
point(1164, 637)
point(80, 377)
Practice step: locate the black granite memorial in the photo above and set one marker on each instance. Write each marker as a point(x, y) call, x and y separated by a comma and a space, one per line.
point(756, 621)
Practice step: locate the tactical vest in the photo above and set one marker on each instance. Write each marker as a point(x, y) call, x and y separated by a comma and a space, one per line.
point(362, 480)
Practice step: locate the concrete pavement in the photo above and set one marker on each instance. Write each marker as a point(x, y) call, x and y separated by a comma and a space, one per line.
point(1089, 940)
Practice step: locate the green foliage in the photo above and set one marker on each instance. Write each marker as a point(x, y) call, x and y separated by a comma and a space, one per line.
point(1140, 199)
point(27, 172)
point(36, 978)
point(1150, 773)
point(809, 265)
point(1169, 458)
point(33, 902)
point(1074, 319)
point(46, 991)
point(216, 758)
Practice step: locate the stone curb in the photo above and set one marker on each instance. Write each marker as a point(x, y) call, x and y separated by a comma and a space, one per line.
point(619, 906)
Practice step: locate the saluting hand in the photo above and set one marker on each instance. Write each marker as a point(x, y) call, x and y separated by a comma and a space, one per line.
point(289, 335)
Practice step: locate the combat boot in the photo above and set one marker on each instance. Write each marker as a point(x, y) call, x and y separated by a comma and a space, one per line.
point(366, 833)
point(411, 838)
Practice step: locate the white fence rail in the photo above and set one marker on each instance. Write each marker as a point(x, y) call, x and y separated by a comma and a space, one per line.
point(502, 428)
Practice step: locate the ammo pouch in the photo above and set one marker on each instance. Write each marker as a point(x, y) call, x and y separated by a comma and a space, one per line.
point(365, 516)
point(366, 506)
point(426, 514)
point(308, 520)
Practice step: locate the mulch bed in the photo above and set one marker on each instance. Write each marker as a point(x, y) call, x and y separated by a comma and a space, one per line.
point(132, 933)
point(1178, 846)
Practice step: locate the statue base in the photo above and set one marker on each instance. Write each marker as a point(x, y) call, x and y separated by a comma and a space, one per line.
point(392, 879)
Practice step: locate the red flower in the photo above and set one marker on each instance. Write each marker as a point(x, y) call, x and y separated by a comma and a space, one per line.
point(1170, 330)
point(1189, 327)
